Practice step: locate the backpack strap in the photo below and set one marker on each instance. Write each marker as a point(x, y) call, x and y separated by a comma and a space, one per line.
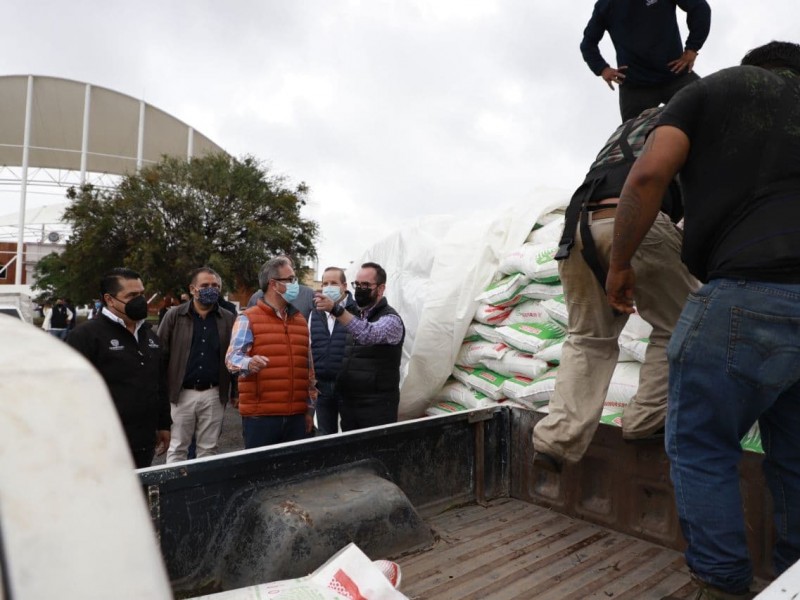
point(572, 215)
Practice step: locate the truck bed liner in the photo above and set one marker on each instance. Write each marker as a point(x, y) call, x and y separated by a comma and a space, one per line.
point(512, 549)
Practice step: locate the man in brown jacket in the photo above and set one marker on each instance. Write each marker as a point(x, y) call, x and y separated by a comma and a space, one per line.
point(194, 337)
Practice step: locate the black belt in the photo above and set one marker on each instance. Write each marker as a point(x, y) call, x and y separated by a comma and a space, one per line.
point(200, 387)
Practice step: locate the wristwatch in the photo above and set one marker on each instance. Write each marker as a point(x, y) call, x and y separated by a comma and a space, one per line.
point(337, 310)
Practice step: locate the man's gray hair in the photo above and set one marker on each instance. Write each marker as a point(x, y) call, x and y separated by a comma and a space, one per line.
point(270, 270)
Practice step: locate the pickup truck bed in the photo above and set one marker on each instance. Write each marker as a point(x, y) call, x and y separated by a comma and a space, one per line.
point(604, 528)
point(512, 549)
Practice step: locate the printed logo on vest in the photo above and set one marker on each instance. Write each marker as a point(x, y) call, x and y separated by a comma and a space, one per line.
point(152, 343)
point(650, 2)
point(115, 345)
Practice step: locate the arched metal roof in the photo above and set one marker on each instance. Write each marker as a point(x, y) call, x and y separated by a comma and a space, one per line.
point(83, 127)
point(54, 123)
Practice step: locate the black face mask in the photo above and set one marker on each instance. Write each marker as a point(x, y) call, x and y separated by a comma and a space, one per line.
point(135, 309)
point(363, 297)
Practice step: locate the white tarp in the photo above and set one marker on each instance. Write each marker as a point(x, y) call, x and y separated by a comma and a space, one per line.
point(435, 270)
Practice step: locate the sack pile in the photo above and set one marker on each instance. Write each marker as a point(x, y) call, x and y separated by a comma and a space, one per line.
point(512, 349)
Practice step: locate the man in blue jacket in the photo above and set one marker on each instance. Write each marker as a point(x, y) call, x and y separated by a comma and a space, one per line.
point(652, 63)
point(328, 342)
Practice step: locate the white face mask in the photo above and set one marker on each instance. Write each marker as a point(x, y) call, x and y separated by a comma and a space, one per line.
point(334, 292)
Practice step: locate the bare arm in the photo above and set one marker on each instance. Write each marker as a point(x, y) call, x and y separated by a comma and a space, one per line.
point(662, 157)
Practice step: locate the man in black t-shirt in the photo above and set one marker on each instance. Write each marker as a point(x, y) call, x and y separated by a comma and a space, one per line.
point(735, 355)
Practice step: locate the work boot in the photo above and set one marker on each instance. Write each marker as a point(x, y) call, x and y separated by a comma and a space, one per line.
point(709, 592)
point(548, 462)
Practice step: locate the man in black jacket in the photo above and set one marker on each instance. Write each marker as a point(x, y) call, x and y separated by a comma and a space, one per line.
point(127, 354)
point(652, 63)
point(369, 381)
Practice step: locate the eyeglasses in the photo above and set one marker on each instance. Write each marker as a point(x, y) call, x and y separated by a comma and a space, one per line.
point(363, 285)
point(285, 279)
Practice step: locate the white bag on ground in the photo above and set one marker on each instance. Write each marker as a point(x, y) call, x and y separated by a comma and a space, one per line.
point(531, 337)
point(347, 575)
point(515, 362)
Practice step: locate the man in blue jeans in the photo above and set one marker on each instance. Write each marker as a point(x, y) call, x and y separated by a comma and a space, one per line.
point(734, 356)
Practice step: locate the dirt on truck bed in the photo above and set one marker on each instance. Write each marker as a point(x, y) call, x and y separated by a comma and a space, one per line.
point(513, 549)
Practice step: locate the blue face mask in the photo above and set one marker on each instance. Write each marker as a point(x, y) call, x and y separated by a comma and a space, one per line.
point(208, 296)
point(292, 290)
point(334, 292)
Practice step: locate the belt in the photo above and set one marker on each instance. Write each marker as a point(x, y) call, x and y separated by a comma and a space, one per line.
point(200, 387)
point(601, 212)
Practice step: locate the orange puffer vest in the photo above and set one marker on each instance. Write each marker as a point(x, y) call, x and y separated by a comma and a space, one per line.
point(281, 388)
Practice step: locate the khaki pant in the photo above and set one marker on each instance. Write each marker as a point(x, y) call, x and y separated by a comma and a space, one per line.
point(591, 350)
point(198, 414)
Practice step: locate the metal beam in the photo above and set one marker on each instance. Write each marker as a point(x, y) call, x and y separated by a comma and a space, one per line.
point(87, 107)
point(23, 190)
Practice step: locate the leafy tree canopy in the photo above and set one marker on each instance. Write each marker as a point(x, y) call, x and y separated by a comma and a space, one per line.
point(230, 214)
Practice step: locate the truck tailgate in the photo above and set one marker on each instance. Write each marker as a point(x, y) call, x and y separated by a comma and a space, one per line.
point(512, 549)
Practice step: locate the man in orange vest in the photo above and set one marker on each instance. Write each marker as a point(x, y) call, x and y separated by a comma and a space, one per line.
point(270, 353)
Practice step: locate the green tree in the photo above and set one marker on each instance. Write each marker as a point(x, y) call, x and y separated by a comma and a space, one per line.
point(230, 214)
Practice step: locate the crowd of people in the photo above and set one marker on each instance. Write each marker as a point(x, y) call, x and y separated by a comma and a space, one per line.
point(291, 354)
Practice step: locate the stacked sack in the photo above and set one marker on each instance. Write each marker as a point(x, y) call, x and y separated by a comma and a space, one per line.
point(513, 347)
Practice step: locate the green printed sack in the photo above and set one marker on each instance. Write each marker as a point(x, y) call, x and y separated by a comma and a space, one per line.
point(532, 337)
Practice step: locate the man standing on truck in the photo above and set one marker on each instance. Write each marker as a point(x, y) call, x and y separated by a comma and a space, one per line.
point(369, 381)
point(127, 354)
point(194, 337)
point(328, 342)
point(734, 357)
point(652, 62)
point(591, 350)
point(270, 353)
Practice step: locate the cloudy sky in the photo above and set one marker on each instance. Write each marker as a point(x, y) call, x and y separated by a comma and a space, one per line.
point(390, 110)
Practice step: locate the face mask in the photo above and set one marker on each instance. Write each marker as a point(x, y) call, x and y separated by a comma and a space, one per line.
point(97, 305)
point(135, 309)
point(334, 292)
point(292, 290)
point(207, 296)
point(363, 297)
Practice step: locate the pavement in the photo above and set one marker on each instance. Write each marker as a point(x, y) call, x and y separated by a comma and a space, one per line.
point(230, 440)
